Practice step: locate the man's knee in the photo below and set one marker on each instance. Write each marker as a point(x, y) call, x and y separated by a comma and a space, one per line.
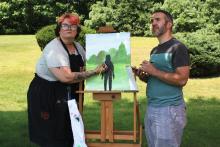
point(160, 142)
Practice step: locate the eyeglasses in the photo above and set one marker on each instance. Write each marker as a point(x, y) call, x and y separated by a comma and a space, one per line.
point(66, 27)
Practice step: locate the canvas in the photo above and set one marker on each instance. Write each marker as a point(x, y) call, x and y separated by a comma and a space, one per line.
point(113, 49)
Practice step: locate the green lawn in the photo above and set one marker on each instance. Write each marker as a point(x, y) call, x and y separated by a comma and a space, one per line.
point(18, 56)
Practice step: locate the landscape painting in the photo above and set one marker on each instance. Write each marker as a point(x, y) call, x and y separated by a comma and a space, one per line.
point(113, 49)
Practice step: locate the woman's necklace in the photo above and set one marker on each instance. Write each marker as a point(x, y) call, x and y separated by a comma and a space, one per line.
point(71, 48)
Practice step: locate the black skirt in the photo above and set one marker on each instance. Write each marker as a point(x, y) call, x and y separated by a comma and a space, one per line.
point(48, 114)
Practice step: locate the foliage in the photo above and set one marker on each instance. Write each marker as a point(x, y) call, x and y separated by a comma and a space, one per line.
point(28, 16)
point(212, 10)
point(190, 16)
point(11, 18)
point(133, 16)
point(99, 16)
point(204, 48)
point(47, 33)
point(128, 16)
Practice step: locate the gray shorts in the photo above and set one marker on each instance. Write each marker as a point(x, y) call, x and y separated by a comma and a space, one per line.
point(164, 125)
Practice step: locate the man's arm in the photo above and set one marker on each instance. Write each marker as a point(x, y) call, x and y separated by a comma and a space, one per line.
point(179, 77)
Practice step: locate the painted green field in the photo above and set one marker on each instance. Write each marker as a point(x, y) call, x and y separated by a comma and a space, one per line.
point(18, 56)
point(120, 81)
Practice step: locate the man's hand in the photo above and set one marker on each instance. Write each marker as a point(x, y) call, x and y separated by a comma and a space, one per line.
point(135, 70)
point(147, 67)
point(143, 76)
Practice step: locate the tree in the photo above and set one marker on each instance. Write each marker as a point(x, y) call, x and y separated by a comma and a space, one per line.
point(101, 57)
point(125, 15)
point(28, 16)
point(92, 60)
point(212, 9)
point(112, 52)
point(82, 7)
point(188, 15)
point(99, 16)
point(121, 55)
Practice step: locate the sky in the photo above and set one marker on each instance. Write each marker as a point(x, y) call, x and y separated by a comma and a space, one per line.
point(97, 42)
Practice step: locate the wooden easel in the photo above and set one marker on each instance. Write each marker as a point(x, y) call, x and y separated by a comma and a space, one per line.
point(107, 135)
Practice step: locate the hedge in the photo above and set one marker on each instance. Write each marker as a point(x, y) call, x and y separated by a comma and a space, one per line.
point(204, 49)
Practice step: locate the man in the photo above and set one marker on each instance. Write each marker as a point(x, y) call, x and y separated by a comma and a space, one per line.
point(109, 73)
point(166, 73)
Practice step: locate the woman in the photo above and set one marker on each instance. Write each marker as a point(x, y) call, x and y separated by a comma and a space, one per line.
point(57, 71)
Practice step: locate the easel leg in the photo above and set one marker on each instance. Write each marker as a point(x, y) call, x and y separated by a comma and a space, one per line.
point(109, 118)
point(103, 121)
point(135, 118)
point(106, 121)
point(81, 95)
point(81, 103)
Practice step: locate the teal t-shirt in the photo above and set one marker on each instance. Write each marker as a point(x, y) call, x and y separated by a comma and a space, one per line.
point(166, 57)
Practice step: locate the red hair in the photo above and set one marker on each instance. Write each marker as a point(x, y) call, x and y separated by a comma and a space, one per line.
point(74, 18)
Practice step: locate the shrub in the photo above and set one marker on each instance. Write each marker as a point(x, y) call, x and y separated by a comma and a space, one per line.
point(204, 49)
point(10, 31)
point(46, 34)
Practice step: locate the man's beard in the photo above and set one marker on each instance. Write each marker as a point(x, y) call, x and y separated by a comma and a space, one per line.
point(159, 31)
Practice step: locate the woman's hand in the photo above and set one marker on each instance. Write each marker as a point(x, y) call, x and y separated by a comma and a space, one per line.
point(100, 68)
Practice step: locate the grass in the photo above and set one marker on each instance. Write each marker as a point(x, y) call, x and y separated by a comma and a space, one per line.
point(18, 56)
